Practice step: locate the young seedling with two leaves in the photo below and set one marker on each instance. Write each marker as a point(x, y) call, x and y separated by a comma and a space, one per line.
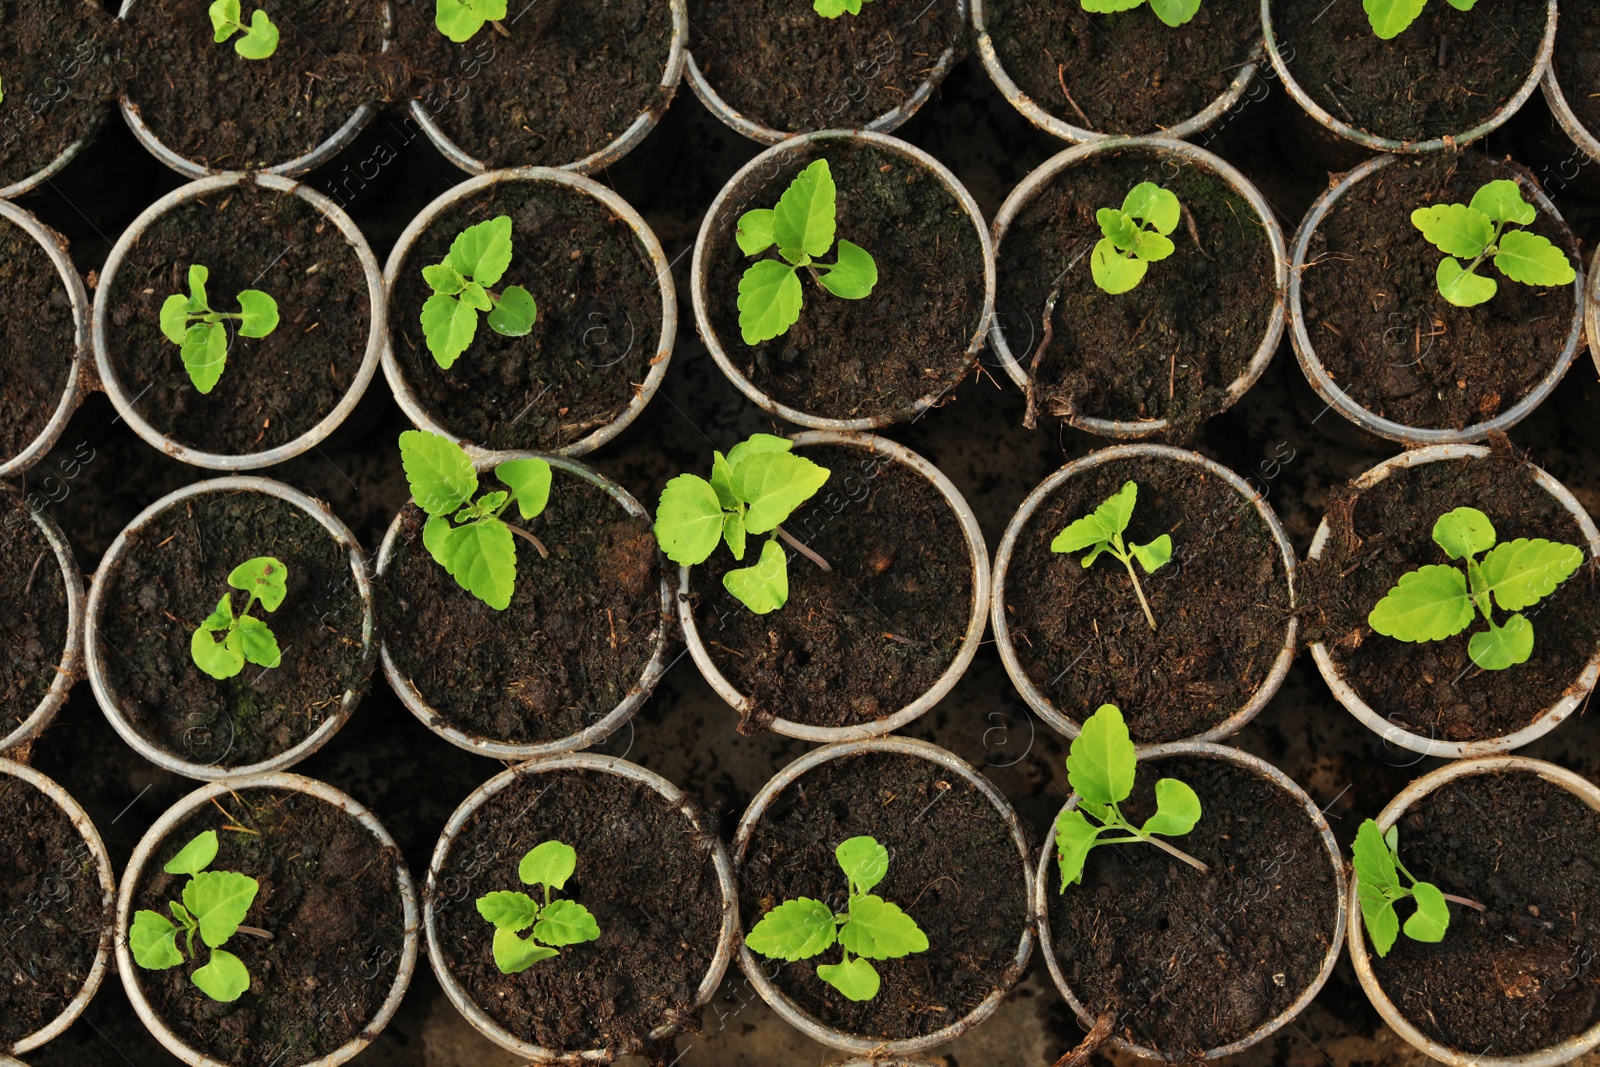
point(260, 38)
point(468, 537)
point(1102, 532)
point(802, 227)
point(215, 904)
point(870, 927)
point(245, 637)
point(556, 923)
point(1437, 601)
point(202, 334)
point(1100, 767)
point(1477, 231)
point(1390, 18)
point(1135, 237)
point(1378, 870)
point(478, 258)
point(756, 486)
point(1172, 12)
point(460, 20)
point(832, 9)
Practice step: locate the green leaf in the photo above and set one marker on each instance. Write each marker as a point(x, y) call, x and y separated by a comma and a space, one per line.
point(769, 301)
point(1107, 6)
point(219, 901)
point(879, 930)
point(1502, 201)
point(224, 977)
point(483, 252)
point(513, 954)
point(750, 446)
point(508, 910)
point(863, 861)
point(832, 9)
point(1101, 761)
point(449, 324)
point(1147, 201)
point(1373, 861)
point(258, 42)
point(205, 354)
point(688, 520)
point(854, 275)
point(224, 19)
point(1462, 5)
point(1075, 836)
point(1428, 604)
point(222, 618)
point(458, 20)
point(199, 274)
point(529, 479)
point(1455, 229)
point(755, 231)
point(1383, 925)
point(1118, 227)
point(194, 857)
point(1464, 288)
point(733, 532)
point(773, 484)
point(1114, 272)
point(264, 577)
point(1390, 17)
point(763, 587)
point(1532, 260)
point(153, 940)
point(514, 315)
point(175, 317)
point(255, 640)
point(438, 471)
point(217, 658)
point(804, 217)
point(1155, 555)
point(481, 557)
point(1175, 12)
point(1117, 511)
point(1432, 917)
point(1523, 572)
point(1500, 647)
point(1463, 533)
point(1152, 247)
point(722, 480)
point(1080, 534)
point(565, 922)
point(548, 864)
point(1177, 809)
point(856, 979)
point(258, 313)
point(475, 297)
point(794, 930)
point(443, 278)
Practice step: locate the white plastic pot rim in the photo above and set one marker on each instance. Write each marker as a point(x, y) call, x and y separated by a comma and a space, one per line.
point(1576, 694)
point(1057, 719)
point(103, 588)
point(413, 406)
point(595, 732)
point(1044, 892)
point(1557, 1054)
point(70, 669)
point(1580, 134)
point(1341, 401)
point(699, 271)
point(125, 404)
point(57, 165)
point(589, 762)
point(1591, 311)
point(976, 619)
point(791, 1012)
point(1041, 178)
point(145, 852)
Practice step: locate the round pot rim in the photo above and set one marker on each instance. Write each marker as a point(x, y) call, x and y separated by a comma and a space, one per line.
point(108, 885)
point(313, 435)
point(801, 1020)
point(1575, 695)
point(700, 269)
point(977, 620)
point(583, 761)
point(406, 396)
point(1336, 858)
point(1051, 124)
point(71, 666)
point(604, 156)
point(202, 796)
point(1054, 717)
point(887, 122)
point(597, 731)
point(1046, 173)
point(26, 185)
point(1378, 143)
point(55, 246)
point(109, 572)
point(1336, 398)
point(1552, 1056)
point(1591, 307)
point(1568, 119)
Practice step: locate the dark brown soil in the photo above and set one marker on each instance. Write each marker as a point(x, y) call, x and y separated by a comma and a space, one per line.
point(853, 359)
point(953, 866)
point(1448, 73)
point(210, 104)
point(592, 343)
point(277, 387)
point(645, 873)
point(33, 629)
point(174, 573)
point(1519, 977)
point(578, 634)
point(58, 84)
point(1221, 605)
point(785, 66)
point(1389, 340)
point(1577, 62)
point(1433, 689)
point(570, 79)
point(329, 894)
point(53, 910)
point(1168, 348)
point(36, 349)
point(1190, 961)
point(1127, 72)
point(864, 640)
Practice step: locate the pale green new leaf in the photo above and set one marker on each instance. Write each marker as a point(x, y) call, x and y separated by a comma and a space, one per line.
point(880, 930)
point(1502, 201)
point(481, 557)
point(832, 9)
point(769, 301)
point(1500, 647)
point(1118, 227)
point(448, 324)
point(258, 42)
point(508, 910)
point(529, 479)
point(1432, 917)
point(722, 480)
point(438, 471)
point(1114, 272)
point(460, 19)
point(773, 484)
point(1151, 204)
point(205, 354)
point(1075, 836)
point(1455, 229)
point(1107, 6)
point(219, 901)
point(804, 217)
point(854, 275)
point(1155, 555)
point(153, 940)
point(1117, 511)
point(733, 532)
point(756, 442)
point(1427, 604)
point(1383, 925)
point(224, 19)
point(513, 954)
point(864, 861)
point(1080, 534)
point(1374, 862)
point(1101, 761)
point(224, 977)
point(688, 520)
point(199, 274)
point(1532, 260)
point(265, 577)
point(255, 640)
point(258, 313)
point(175, 317)
point(550, 863)
point(1462, 287)
point(763, 587)
point(194, 857)
point(1175, 13)
point(794, 930)
point(217, 658)
point(482, 252)
point(514, 315)
point(1520, 573)
point(1463, 533)
point(754, 234)
point(443, 278)
point(475, 297)
point(1177, 809)
point(222, 618)
point(857, 979)
point(565, 922)
point(1390, 17)
point(1152, 247)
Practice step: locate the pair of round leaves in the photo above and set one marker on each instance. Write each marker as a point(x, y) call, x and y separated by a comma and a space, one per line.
point(245, 637)
point(1173, 12)
point(555, 923)
point(215, 904)
point(459, 20)
point(1390, 18)
point(477, 259)
point(202, 333)
point(1477, 231)
point(1123, 255)
point(260, 38)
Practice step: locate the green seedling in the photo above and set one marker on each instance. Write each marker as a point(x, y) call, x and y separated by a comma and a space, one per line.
point(214, 905)
point(1435, 602)
point(1121, 257)
point(756, 486)
point(1172, 12)
point(556, 923)
point(1100, 767)
point(1378, 870)
point(244, 637)
point(1478, 231)
point(478, 258)
point(460, 20)
point(1102, 532)
point(1389, 18)
point(202, 334)
point(832, 9)
point(260, 38)
point(802, 228)
point(468, 537)
point(870, 927)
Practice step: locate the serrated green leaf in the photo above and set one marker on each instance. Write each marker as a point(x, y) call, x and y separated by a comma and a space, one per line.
point(857, 979)
point(1427, 604)
point(199, 274)
point(1114, 272)
point(224, 977)
point(755, 234)
point(265, 577)
point(205, 354)
point(513, 954)
point(854, 275)
point(1520, 573)
point(438, 471)
point(1383, 925)
point(216, 658)
point(1080, 534)
point(449, 325)
point(482, 252)
point(764, 586)
point(222, 618)
point(773, 484)
point(794, 930)
point(1155, 555)
point(722, 480)
point(443, 278)
point(1177, 809)
point(1175, 13)
point(1118, 227)
point(688, 520)
point(1373, 861)
point(1454, 229)
point(880, 930)
point(565, 922)
point(550, 863)
point(804, 217)
point(175, 317)
point(529, 479)
point(153, 940)
point(258, 313)
point(508, 910)
point(1152, 247)
point(864, 862)
point(475, 297)
point(1151, 204)
point(1432, 917)
point(1117, 511)
point(254, 639)
point(1389, 18)
point(219, 901)
point(1500, 647)
point(1075, 836)
point(733, 532)
point(1463, 533)
point(1101, 761)
point(769, 301)
point(481, 557)
point(1532, 260)
point(755, 443)
point(514, 315)
point(194, 857)
point(1461, 287)
point(258, 42)
point(1502, 201)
